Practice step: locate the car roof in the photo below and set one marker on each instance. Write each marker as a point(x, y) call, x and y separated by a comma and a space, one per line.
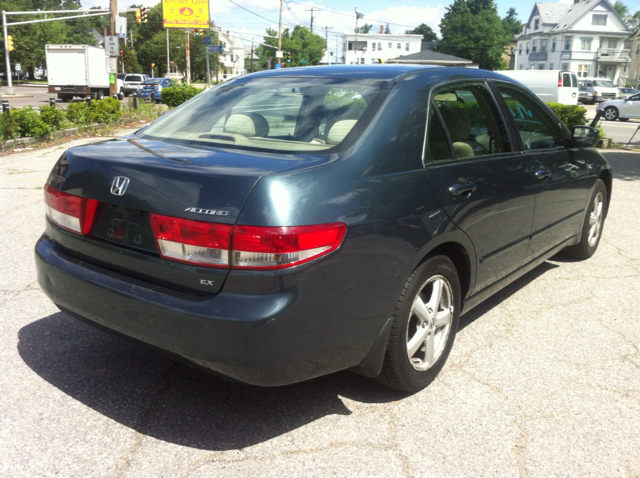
point(389, 72)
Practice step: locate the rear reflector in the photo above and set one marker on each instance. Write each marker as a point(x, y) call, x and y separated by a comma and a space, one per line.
point(70, 212)
point(243, 247)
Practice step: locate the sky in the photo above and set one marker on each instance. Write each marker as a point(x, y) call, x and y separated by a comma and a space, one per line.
point(337, 15)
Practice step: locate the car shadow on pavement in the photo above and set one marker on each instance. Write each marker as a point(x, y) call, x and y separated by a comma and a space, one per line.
point(625, 165)
point(169, 401)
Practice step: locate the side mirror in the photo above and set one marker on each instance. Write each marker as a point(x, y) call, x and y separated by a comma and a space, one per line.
point(584, 136)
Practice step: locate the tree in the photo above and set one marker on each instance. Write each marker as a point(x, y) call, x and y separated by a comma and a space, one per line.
point(387, 31)
point(472, 29)
point(633, 21)
point(301, 43)
point(511, 24)
point(364, 28)
point(621, 9)
point(425, 30)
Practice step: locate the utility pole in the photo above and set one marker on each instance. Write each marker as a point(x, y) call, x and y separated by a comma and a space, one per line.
point(6, 54)
point(311, 18)
point(113, 6)
point(251, 57)
point(218, 56)
point(280, 28)
point(168, 62)
point(326, 40)
point(187, 52)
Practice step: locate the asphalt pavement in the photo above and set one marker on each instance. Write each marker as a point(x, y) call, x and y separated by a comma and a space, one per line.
point(543, 380)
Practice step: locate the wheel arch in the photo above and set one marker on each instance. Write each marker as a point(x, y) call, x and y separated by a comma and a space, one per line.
point(461, 258)
point(607, 179)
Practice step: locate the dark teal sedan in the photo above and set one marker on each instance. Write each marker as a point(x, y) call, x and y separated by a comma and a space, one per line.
point(152, 88)
point(292, 223)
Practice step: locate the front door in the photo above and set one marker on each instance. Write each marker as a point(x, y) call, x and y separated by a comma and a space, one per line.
point(561, 180)
point(485, 188)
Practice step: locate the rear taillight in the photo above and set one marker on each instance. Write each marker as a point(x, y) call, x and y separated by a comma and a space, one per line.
point(195, 242)
point(560, 82)
point(70, 212)
point(279, 247)
point(243, 247)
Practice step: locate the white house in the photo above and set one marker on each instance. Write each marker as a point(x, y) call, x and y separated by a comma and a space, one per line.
point(585, 37)
point(378, 47)
point(232, 57)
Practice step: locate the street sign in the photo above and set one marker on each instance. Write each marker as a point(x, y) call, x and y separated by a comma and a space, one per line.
point(206, 40)
point(278, 54)
point(18, 67)
point(214, 48)
point(112, 45)
point(112, 64)
point(278, 65)
point(175, 15)
point(121, 27)
point(304, 62)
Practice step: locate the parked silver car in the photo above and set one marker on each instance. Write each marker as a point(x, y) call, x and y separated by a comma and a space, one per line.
point(623, 109)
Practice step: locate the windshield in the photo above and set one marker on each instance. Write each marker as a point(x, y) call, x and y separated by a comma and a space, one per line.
point(606, 83)
point(272, 114)
point(154, 81)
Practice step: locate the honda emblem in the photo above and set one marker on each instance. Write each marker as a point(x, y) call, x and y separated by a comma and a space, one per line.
point(119, 185)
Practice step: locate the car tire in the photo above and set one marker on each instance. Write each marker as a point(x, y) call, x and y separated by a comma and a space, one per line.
point(99, 94)
point(593, 224)
point(424, 326)
point(611, 113)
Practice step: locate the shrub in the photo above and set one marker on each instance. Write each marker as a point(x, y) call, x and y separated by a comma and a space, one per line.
point(176, 95)
point(52, 115)
point(29, 122)
point(78, 113)
point(571, 115)
point(104, 111)
point(8, 127)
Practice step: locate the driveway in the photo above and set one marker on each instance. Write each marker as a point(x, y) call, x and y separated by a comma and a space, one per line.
point(543, 380)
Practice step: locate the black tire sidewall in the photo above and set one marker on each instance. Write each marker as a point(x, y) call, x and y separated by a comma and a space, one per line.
point(406, 377)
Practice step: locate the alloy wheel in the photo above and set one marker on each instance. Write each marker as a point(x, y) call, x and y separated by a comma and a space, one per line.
point(595, 219)
point(429, 323)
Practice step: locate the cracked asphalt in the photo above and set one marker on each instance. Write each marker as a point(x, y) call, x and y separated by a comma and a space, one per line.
point(543, 380)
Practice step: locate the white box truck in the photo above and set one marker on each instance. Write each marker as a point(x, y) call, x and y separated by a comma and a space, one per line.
point(552, 86)
point(78, 70)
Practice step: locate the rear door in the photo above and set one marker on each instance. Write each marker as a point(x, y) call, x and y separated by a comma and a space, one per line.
point(568, 88)
point(484, 186)
point(560, 178)
point(631, 107)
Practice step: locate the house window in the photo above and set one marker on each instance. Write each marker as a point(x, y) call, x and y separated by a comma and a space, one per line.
point(536, 23)
point(520, 48)
point(551, 66)
point(350, 45)
point(540, 66)
point(599, 20)
point(373, 46)
point(543, 45)
point(379, 46)
point(527, 50)
point(390, 45)
point(638, 49)
point(553, 45)
point(565, 67)
point(612, 43)
point(585, 43)
point(362, 61)
point(583, 71)
point(567, 43)
point(532, 66)
point(406, 47)
point(534, 46)
point(399, 46)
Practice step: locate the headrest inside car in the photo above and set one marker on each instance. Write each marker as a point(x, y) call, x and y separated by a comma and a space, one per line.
point(247, 124)
point(339, 130)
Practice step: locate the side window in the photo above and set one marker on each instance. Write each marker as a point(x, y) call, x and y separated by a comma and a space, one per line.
point(566, 80)
point(537, 128)
point(437, 145)
point(472, 119)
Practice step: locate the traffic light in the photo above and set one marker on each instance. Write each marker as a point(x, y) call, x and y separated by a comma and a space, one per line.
point(200, 32)
point(10, 42)
point(138, 17)
point(288, 57)
point(144, 15)
point(122, 55)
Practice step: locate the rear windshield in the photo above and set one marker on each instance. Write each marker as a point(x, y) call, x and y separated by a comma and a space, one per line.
point(273, 114)
point(606, 83)
point(133, 78)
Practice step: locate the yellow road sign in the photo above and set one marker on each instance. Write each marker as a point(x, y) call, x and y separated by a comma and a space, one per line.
point(185, 13)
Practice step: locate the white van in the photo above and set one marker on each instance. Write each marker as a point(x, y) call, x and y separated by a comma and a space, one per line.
point(602, 89)
point(552, 86)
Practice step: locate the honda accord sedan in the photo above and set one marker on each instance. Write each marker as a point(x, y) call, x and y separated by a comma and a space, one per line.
point(293, 223)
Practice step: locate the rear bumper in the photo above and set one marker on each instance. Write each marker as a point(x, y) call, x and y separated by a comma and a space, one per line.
point(276, 338)
point(67, 90)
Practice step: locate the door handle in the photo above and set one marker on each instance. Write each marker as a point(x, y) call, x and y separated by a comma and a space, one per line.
point(462, 189)
point(543, 174)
